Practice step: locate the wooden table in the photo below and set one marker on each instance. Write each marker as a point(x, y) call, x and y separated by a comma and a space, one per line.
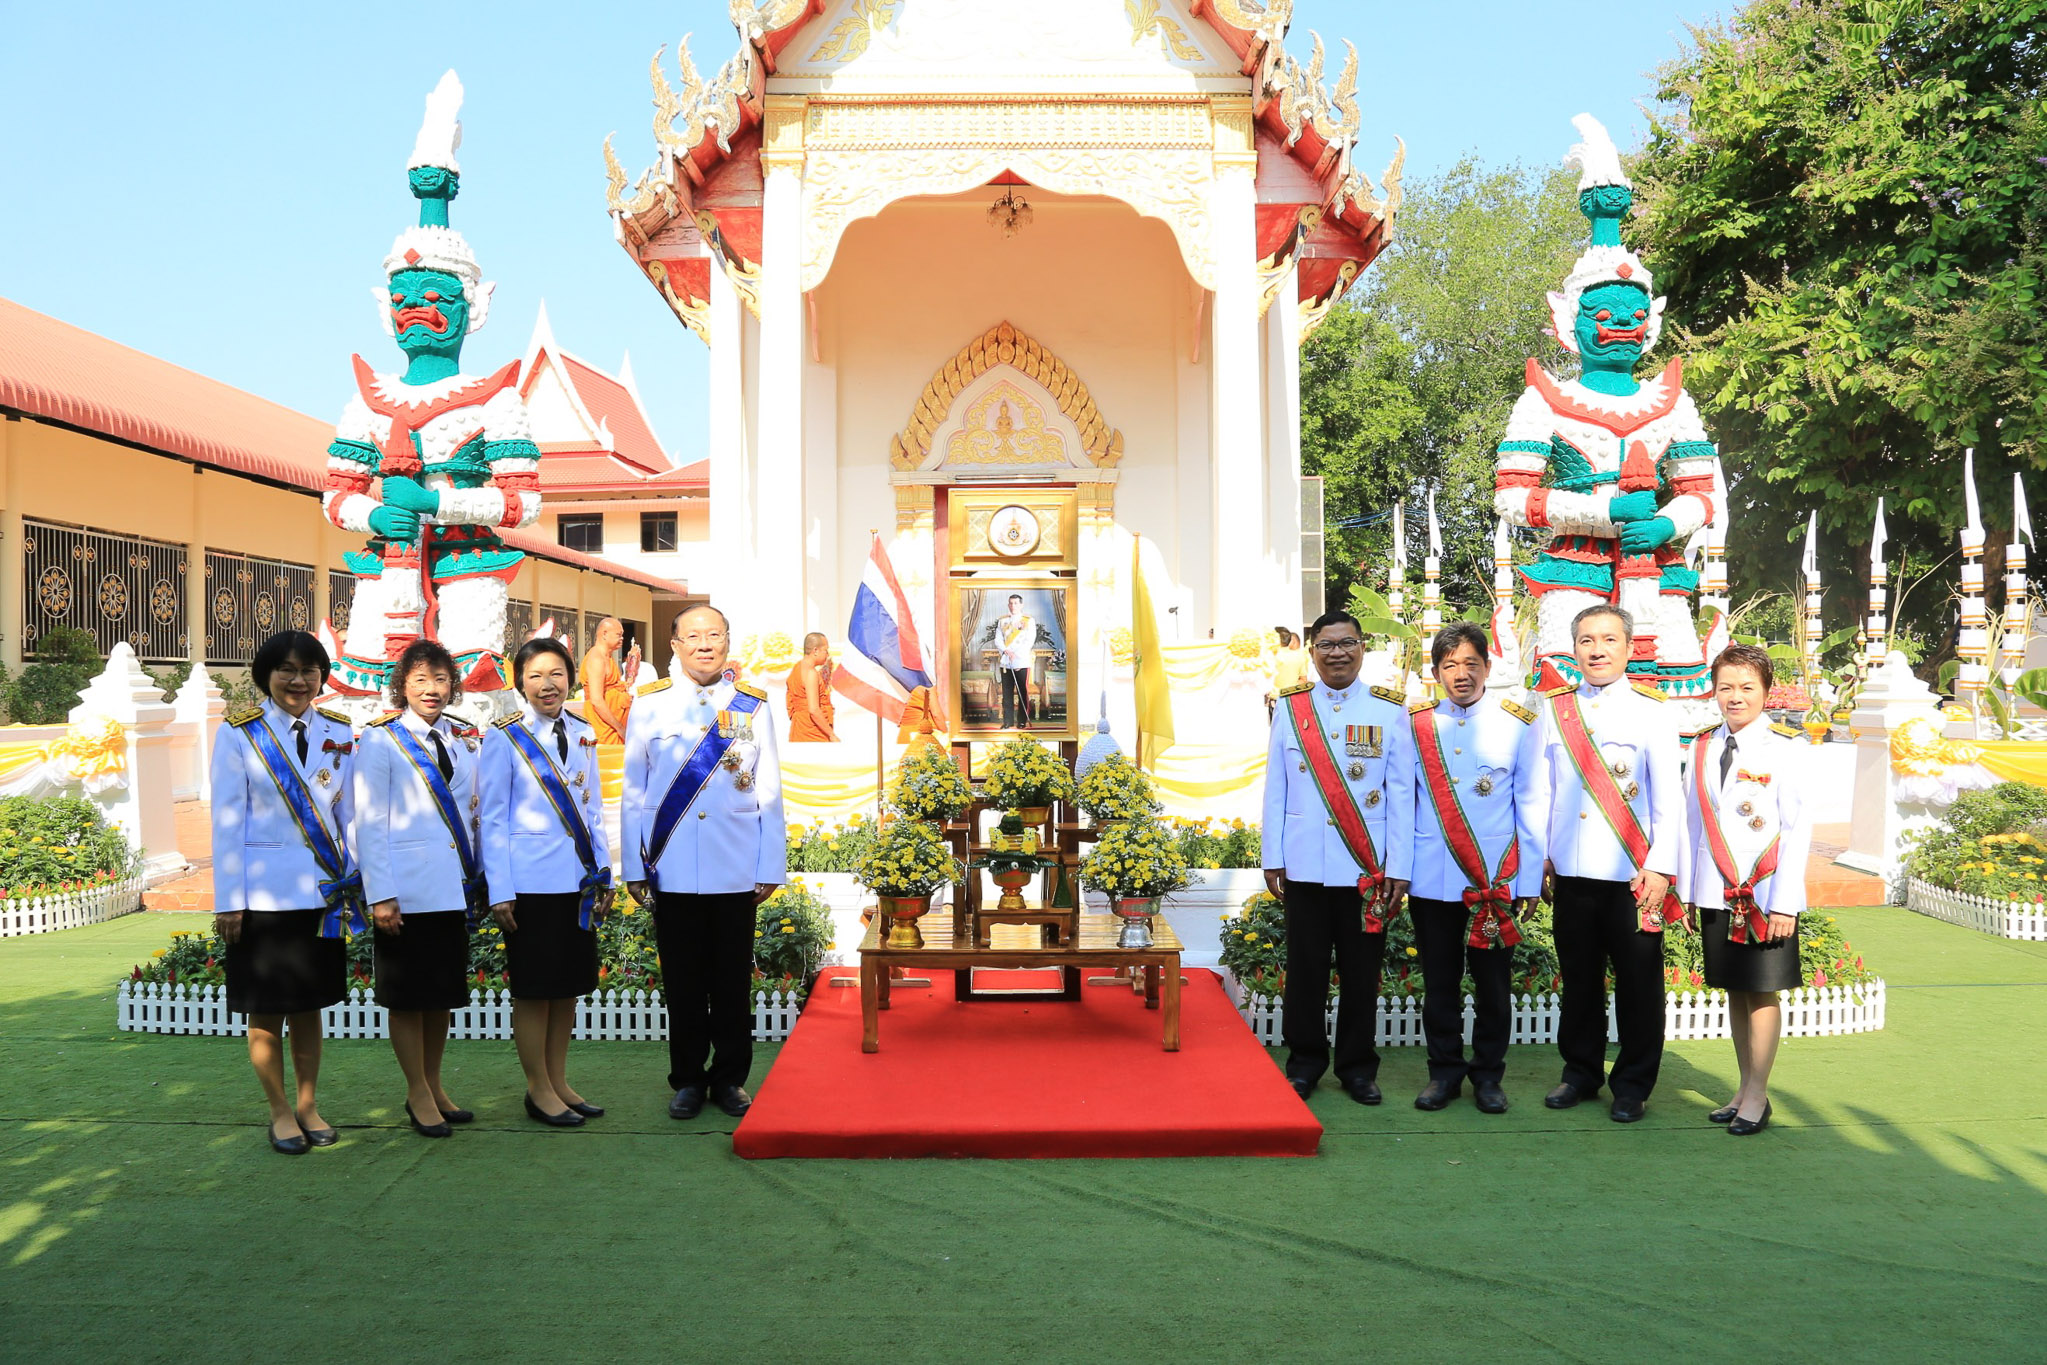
point(1021, 947)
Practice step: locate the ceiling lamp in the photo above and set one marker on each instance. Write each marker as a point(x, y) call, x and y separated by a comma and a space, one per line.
point(1009, 213)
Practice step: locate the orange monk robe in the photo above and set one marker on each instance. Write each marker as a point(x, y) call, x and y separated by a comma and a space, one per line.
point(602, 679)
point(917, 718)
point(804, 682)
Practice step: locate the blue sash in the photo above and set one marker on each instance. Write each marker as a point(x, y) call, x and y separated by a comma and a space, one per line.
point(475, 893)
point(596, 880)
point(340, 890)
point(687, 786)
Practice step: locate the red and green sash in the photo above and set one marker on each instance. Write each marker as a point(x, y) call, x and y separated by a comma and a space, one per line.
point(1746, 921)
point(1606, 795)
point(1492, 896)
point(1341, 803)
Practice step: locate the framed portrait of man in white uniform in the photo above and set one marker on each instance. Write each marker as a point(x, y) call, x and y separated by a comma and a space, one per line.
point(1009, 667)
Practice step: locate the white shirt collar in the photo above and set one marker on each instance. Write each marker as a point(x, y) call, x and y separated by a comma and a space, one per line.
point(538, 723)
point(1590, 689)
point(410, 719)
point(1343, 694)
point(282, 720)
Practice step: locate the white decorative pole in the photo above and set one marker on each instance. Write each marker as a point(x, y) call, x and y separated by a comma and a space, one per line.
point(2017, 608)
point(1809, 647)
point(1506, 641)
point(1432, 589)
point(1396, 582)
point(1879, 598)
point(1974, 643)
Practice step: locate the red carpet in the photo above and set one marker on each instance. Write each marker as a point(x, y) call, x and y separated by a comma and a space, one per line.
point(1015, 1079)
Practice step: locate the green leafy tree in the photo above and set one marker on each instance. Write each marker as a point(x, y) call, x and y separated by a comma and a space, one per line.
point(1408, 383)
point(1846, 202)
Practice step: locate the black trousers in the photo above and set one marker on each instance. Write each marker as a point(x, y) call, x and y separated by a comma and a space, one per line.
point(1596, 923)
point(706, 945)
point(1016, 696)
point(1440, 929)
point(1319, 920)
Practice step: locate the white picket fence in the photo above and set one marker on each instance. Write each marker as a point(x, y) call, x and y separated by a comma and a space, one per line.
point(1809, 1012)
point(630, 1016)
point(2005, 919)
point(69, 909)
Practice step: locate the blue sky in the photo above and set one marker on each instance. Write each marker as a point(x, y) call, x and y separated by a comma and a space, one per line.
point(217, 184)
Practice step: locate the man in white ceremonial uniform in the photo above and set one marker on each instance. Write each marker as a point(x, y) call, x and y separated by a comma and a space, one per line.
point(1016, 644)
point(1333, 743)
point(702, 838)
point(1466, 849)
point(1610, 778)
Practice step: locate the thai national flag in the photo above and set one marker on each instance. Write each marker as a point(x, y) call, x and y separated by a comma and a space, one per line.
point(886, 659)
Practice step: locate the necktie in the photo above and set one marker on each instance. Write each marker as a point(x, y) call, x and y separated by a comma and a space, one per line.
point(298, 728)
point(561, 738)
point(1726, 759)
point(447, 760)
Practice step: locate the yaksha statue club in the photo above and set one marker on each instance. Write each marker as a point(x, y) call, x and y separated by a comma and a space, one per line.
point(1619, 470)
point(453, 451)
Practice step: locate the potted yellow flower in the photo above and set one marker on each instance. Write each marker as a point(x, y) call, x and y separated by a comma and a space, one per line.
point(1026, 777)
point(928, 785)
point(907, 862)
point(1114, 790)
point(1135, 863)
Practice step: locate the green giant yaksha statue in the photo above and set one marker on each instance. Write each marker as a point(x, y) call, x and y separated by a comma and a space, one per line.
point(452, 452)
point(1616, 468)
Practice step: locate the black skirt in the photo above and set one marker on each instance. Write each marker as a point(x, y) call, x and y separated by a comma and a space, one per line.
point(281, 965)
point(424, 966)
point(547, 956)
point(1747, 966)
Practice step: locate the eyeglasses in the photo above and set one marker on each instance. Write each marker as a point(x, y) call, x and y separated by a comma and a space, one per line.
point(1343, 646)
point(716, 637)
point(287, 671)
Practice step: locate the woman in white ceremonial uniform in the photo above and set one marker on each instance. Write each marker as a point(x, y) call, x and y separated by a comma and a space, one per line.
point(419, 870)
point(286, 956)
point(539, 775)
point(1748, 832)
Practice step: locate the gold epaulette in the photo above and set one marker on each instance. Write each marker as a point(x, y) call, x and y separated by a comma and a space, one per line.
point(1788, 731)
point(1296, 689)
point(1517, 711)
point(651, 688)
point(338, 717)
point(244, 716)
point(387, 718)
point(1652, 693)
point(1559, 689)
point(1415, 708)
point(509, 721)
point(1388, 694)
point(750, 691)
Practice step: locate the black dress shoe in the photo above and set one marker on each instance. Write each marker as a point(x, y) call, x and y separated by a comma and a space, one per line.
point(1724, 1116)
point(1490, 1098)
point(567, 1118)
point(588, 1111)
point(1302, 1086)
point(291, 1146)
point(1435, 1095)
point(1364, 1092)
point(426, 1129)
point(733, 1100)
point(1565, 1096)
point(1628, 1111)
point(457, 1116)
point(1742, 1127)
point(688, 1102)
point(318, 1136)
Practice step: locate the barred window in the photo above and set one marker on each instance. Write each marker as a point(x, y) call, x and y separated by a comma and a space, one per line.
point(113, 587)
point(657, 532)
point(584, 532)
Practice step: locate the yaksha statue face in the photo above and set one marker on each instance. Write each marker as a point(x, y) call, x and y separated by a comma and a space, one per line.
point(429, 313)
point(1612, 326)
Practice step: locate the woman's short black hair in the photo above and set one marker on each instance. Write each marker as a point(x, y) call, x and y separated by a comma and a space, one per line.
point(427, 653)
point(532, 649)
point(288, 644)
point(1755, 660)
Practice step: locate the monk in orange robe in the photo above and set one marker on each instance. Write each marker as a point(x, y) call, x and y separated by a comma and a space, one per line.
point(919, 722)
point(810, 693)
point(607, 692)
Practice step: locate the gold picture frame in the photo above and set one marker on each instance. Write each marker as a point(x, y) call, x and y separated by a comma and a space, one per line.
point(982, 692)
point(1043, 526)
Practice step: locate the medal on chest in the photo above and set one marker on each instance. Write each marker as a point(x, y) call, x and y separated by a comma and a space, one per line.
point(1364, 741)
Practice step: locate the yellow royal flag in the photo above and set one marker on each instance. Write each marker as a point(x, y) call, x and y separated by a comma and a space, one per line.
point(1154, 696)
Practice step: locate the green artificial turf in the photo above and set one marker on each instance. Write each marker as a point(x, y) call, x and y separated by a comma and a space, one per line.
point(1896, 1209)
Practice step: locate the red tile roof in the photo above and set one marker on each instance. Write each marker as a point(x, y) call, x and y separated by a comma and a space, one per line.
point(612, 404)
point(64, 374)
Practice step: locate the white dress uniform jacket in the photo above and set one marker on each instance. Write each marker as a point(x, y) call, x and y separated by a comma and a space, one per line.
point(405, 848)
point(260, 858)
point(1764, 795)
point(731, 838)
point(1298, 833)
point(1491, 757)
point(1636, 736)
point(526, 847)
